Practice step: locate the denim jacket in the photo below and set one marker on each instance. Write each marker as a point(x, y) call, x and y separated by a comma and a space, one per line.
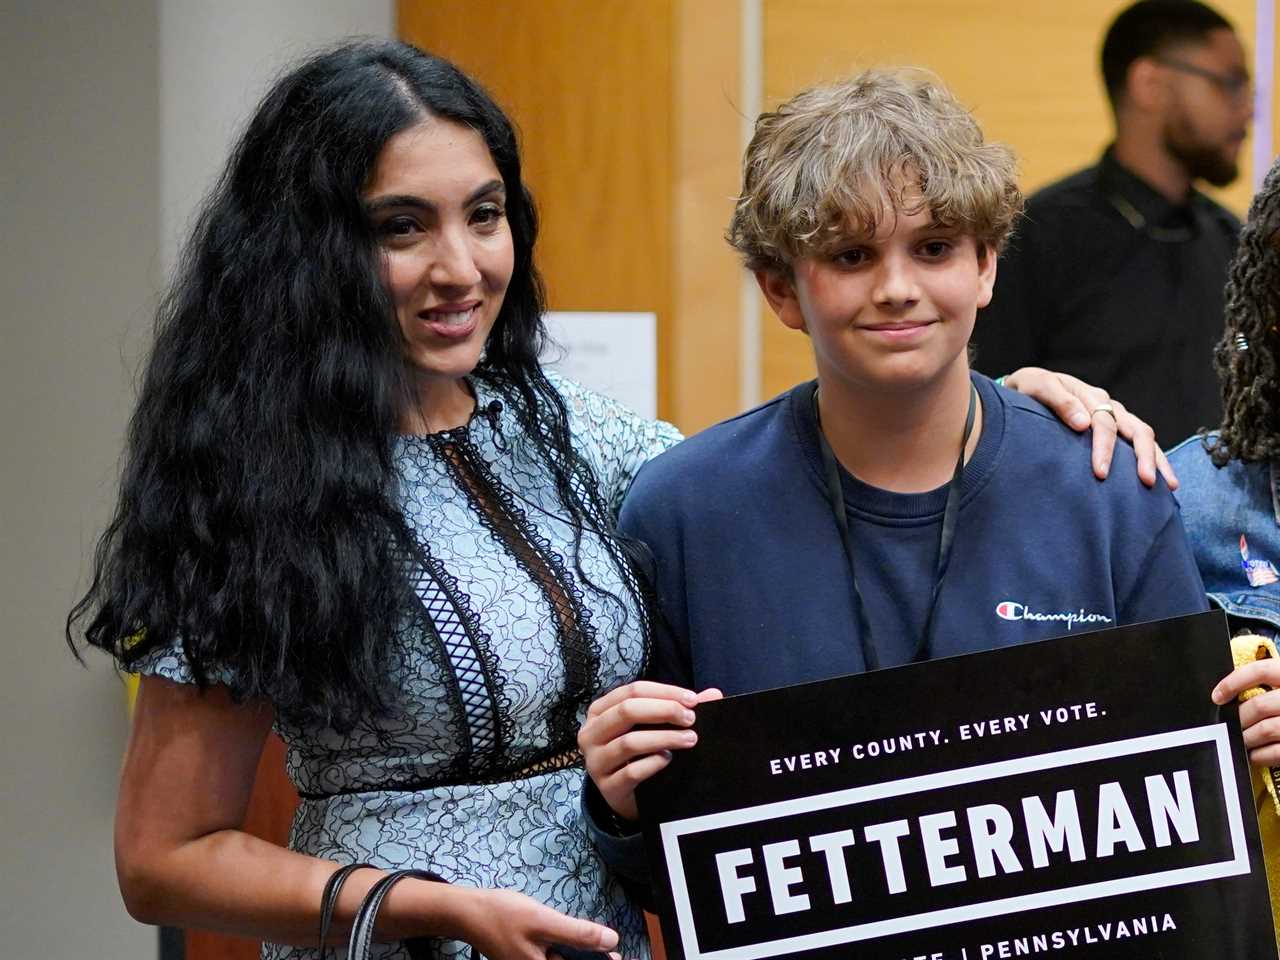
point(1232, 517)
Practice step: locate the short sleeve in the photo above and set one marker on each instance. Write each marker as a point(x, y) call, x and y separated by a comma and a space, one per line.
point(614, 439)
point(171, 663)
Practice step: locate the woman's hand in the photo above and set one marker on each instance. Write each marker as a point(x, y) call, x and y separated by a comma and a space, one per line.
point(1076, 403)
point(1260, 715)
point(505, 925)
point(618, 755)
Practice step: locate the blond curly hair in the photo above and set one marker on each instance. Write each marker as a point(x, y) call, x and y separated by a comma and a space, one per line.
point(829, 162)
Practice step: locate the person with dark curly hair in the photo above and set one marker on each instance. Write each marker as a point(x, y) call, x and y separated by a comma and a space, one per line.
point(355, 508)
point(1230, 478)
point(1230, 496)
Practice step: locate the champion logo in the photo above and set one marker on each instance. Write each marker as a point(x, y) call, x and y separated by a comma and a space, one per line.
point(1012, 610)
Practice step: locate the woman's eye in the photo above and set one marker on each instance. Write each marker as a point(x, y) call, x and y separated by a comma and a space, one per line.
point(488, 215)
point(398, 227)
point(850, 258)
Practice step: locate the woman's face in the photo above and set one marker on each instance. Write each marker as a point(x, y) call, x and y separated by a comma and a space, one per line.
point(438, 209)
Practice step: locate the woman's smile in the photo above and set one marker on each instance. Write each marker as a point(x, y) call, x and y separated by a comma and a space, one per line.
point(452, 321)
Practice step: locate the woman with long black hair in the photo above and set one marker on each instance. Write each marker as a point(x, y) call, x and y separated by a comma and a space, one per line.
point(354, 507)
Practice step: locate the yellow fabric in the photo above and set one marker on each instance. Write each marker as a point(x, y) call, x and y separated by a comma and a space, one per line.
point(131, 679)
point(1269, 828)
point(1246, 648)
point(130, 691)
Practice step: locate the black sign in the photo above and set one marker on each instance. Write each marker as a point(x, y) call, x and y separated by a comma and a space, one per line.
point(1079, 796)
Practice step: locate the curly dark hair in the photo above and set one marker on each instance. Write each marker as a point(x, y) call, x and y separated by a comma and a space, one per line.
point(258, 522)
point(1245, 357)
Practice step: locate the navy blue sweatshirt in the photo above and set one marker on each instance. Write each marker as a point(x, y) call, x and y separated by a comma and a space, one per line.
point(754, 584)
point(755, 587)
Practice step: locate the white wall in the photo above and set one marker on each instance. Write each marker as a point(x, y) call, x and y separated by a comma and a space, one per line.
point(216, 61)
point(80, 160)
point(114, 119)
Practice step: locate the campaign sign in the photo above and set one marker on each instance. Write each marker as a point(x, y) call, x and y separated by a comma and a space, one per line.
point(1076, 797)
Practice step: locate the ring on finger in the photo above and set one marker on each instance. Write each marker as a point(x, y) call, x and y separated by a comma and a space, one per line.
point(1106, 408)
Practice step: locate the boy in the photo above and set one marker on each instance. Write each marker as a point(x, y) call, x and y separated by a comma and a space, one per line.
point(901, 507)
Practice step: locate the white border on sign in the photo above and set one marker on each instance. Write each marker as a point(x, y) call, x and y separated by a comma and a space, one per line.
point(1212, 733)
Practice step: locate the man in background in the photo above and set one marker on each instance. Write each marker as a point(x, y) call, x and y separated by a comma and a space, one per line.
point(1116, 273)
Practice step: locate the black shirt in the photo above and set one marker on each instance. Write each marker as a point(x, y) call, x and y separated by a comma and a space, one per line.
point(1107, 280)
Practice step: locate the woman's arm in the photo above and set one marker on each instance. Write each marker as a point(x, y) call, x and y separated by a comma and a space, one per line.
point(183, 860)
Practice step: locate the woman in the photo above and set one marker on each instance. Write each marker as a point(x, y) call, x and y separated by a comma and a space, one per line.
point(292, 454)
point(355, 509)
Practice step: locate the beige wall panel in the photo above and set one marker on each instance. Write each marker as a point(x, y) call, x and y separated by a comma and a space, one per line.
point(706, 331)
point(589, 85)
point(1027, 68)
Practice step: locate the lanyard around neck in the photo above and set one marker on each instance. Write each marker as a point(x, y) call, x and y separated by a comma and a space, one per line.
point(946, 539)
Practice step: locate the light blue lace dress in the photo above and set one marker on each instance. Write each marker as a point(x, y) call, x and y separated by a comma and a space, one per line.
point(479, 780)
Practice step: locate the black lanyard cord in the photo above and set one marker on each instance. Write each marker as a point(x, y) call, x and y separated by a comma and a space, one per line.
point(946, 539)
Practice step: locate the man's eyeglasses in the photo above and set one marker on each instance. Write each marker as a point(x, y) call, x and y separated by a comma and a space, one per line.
point(1234, 85)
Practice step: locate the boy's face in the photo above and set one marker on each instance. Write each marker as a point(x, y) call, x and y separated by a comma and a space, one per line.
point(893, 312)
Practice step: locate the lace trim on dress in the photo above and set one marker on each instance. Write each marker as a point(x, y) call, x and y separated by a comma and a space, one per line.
point(474, 684)
point(480, 697)
point(497, 511)
point(642, 595)
point(591, 493)
point(538, 766)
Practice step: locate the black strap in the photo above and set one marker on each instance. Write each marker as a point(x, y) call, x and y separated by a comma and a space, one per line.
point(329, 900)
point(362, 928)
point(946, 539)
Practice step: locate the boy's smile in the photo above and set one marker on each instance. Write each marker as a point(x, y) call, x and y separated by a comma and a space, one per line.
point(890, 312)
